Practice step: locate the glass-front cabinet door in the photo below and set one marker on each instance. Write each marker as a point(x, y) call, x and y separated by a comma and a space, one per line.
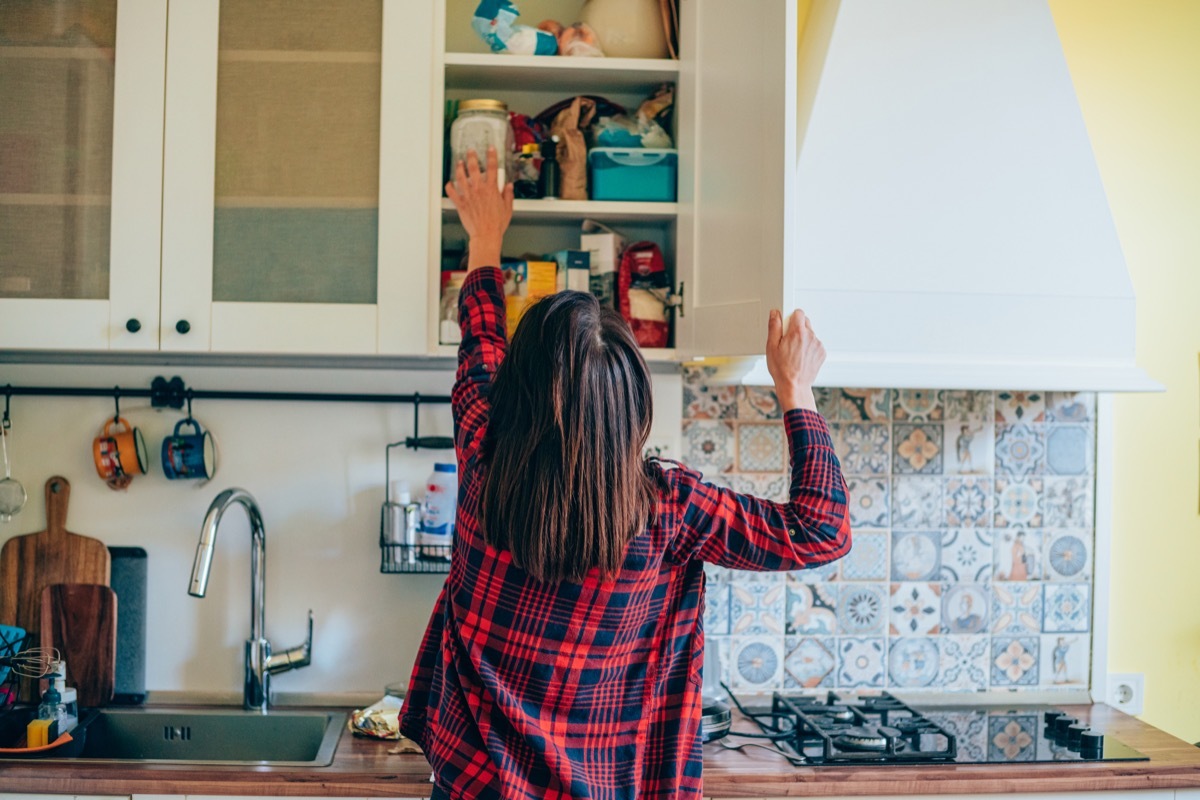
point(296, 212)
point(81, 123)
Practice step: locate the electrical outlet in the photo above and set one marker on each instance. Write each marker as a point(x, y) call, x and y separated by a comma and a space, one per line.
point(1127, 692)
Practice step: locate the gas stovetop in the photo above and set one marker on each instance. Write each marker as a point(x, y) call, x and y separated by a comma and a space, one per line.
point(881, 729)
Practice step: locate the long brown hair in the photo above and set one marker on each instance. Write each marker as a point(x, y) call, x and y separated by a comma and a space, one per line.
point(567, 487)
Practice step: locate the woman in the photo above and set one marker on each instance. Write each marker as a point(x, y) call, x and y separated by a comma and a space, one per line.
point(563, 655)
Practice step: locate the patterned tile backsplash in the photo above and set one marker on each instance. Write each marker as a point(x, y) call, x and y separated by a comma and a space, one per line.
point(972, 560)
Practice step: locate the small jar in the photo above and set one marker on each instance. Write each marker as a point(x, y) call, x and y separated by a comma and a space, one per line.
point(481, 124)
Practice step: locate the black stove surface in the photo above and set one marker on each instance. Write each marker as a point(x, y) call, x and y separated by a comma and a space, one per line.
point(881, 729)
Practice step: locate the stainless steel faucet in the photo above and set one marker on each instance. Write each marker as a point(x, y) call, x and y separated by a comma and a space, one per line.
point(261, 663)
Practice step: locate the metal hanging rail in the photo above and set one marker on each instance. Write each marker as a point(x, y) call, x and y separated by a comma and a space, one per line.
point(174, 393)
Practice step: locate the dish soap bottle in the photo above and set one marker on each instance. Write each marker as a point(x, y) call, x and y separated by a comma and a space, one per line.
point(53, 710)
point(438, 511)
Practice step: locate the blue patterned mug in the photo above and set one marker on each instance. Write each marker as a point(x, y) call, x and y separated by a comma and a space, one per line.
point(190, 455)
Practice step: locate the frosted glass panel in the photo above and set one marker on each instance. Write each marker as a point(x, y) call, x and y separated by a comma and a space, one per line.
point(297, 161)
point(56, 119)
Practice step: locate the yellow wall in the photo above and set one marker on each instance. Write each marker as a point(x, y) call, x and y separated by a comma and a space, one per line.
point(1136, 67)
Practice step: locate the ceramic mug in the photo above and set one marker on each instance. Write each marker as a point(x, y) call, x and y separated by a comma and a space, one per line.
point(189, 455)
point(119, 454)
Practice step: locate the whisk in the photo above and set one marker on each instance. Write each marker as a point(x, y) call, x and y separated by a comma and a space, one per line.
point(36, 662)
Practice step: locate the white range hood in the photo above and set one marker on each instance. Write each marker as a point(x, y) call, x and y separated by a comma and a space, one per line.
point(947, 223)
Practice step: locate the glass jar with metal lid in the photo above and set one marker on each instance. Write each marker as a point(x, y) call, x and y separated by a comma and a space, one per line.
point(481, 124)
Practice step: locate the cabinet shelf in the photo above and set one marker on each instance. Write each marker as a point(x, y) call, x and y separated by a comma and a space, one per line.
point(556, 73)
point(577, 210)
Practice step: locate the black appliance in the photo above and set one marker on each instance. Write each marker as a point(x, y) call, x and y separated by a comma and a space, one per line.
point(881, 729)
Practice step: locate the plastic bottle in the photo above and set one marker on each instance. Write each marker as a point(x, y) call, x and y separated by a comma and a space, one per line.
point(53, 710)
point(437, 512)
point(410, 522)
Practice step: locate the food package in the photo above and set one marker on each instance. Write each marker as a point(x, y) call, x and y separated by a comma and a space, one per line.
point(648, 128)
point(642, 290)
point(568, 125)
point(380, 720)
point(496, 23)
point(573, 272)
point(604, 247)
point(573, 40)
point(526, 282)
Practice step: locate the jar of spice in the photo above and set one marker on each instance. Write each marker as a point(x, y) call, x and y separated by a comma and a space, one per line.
point(481, 124)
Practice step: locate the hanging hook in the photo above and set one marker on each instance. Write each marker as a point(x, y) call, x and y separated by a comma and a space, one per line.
point(117, 403)
point(6, 423)
point(188, 396)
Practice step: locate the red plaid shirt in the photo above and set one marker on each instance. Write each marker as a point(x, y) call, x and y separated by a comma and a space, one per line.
point(525, 689)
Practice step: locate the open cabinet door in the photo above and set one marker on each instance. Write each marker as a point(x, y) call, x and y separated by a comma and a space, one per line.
point(738, 84)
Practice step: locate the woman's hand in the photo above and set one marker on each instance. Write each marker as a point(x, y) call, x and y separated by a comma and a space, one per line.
point(485, 209)
point(793, 359)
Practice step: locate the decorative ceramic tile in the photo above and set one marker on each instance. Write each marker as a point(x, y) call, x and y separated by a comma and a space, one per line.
point(708, 445)
point(1020, 449)
point(969, 448)
point(968, 502)
point(723, 480)
point(1070, 406)
point(917, 449)
point(965, 608)
point(1064, 659)
point(869, 502)
point(916, 502)
point(716, 609)
point(1069, 502)
point(860, 662)
point(918, 405)
point(757, 663)
point(757, 403)
point(811, 607)
point(969, 406)
point(966, 555)
point(757, 604)
point(915, 609)
point(1014, 661)
point(862, 448)
point(1067, 608)
point(1068, 449)
point(761, 448)
point(1016, 608)
point(702, 401)
point(1020, 407)
point(862, 609)
point(1017, 554)
point(1012, 737)
point(822, 573)
point(868, 557)
point(916, 555)
point(1019, 502)
point(810, 663)
point(1068, 555)
point(964, 662)
point(855, 405)
point(913, 661)
point(714, 574)
point(774, 486)
point(969, 729)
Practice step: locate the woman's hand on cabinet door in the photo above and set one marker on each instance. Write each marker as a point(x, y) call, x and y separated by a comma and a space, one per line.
point(794, 357)
point(485, 209)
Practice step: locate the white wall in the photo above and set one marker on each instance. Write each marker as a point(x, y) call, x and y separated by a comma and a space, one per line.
point(317, 471)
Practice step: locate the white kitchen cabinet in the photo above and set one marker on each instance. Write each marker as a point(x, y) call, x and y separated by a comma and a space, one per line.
point(295, 215)
point(81, 85)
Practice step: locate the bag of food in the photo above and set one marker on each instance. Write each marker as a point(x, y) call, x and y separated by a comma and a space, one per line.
point(642, 291)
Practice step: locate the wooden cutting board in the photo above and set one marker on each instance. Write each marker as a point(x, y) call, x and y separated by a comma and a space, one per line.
point(80, 621)
point(30, 563)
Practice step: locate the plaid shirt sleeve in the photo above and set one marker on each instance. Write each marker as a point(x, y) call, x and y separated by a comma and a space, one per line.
point(481, 317)
point(739, 531)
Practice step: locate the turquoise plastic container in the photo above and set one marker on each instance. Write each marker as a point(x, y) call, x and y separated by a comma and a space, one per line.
point(617, 173)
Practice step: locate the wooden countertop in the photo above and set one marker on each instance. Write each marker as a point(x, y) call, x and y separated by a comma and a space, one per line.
point(362, 768)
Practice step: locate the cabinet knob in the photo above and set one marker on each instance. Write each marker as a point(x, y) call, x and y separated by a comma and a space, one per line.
point(183, 326)
point(133, 325)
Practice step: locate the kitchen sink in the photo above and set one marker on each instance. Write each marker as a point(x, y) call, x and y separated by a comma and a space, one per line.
point(213, 736)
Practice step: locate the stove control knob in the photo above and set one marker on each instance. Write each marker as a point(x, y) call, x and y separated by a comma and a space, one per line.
point(1059, 729)
point(1050, 716)
point(1074, 738)
point(1091, 745)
